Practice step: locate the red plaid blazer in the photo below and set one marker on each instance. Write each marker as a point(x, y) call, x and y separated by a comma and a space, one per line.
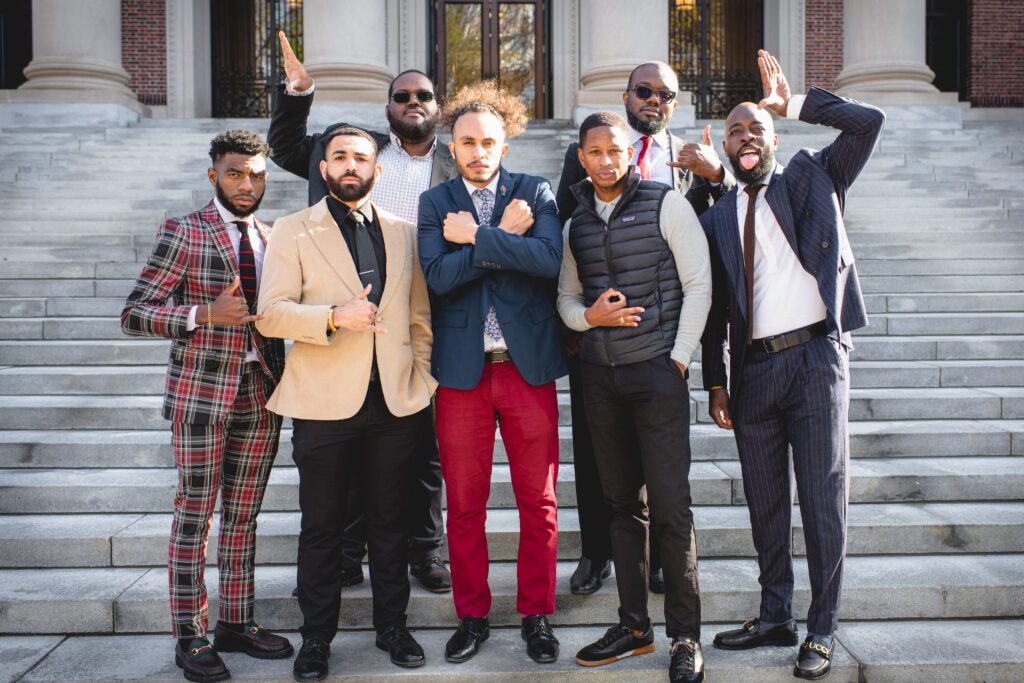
point(191, 263)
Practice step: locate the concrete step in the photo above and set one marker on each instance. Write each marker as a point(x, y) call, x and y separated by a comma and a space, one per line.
point(134, 600)
point(712, 482)
point(889, 265)
point(965, 323)
point(92, 540)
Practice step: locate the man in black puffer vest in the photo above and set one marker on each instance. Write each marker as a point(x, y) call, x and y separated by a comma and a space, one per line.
point(636, 280)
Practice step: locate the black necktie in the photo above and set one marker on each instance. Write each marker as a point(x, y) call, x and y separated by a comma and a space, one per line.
point(369, 269)
point(748, 254)
point(247, 266)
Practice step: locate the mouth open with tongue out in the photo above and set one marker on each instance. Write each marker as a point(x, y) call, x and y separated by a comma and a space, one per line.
point(748, 158)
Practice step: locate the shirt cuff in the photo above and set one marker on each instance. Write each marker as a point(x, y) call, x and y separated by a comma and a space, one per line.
point(796, 103)
point(307, 91)
point(192, 319)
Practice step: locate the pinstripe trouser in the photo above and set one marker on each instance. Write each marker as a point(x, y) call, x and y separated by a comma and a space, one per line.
point(797, 398)
point(233, 458)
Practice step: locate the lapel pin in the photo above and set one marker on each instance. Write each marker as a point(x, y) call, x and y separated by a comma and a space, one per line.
point(502, 189)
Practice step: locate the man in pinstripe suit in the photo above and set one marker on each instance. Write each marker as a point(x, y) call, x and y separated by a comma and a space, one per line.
point(198, 289)
point(787, 296)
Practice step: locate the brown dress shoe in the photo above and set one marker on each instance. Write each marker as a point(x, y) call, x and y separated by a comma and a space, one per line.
point(201, 663)
point(254, 641)
point(432, 574)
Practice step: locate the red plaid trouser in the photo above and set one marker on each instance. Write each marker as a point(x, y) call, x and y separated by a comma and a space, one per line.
point(232, 457)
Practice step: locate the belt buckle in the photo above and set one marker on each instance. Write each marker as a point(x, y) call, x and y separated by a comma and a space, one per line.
point(766, 346)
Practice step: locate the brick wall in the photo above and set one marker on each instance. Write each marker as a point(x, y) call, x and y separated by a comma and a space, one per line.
point(144, 48)
point(823, 36)
point(996, 70)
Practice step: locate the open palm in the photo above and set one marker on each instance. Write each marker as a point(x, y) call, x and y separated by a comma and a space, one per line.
point(297, 76)
point(773, 83)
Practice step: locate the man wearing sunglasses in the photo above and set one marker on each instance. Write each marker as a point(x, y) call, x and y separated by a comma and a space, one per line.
point(693, 170)
point(411, 162)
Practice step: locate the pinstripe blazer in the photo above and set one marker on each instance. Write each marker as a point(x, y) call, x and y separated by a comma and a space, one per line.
point(807, 198)
point(192, 262)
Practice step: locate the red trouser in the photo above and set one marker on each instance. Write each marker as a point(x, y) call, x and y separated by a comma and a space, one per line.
point(528, 418)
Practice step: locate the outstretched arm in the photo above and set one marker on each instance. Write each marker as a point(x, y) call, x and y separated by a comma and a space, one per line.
point(292, 148)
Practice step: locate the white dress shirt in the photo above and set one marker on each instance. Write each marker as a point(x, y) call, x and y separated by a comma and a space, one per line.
point(489, 344)
point(255, 239)
point(659, 154)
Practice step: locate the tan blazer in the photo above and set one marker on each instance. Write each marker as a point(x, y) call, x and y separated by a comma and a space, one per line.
point(307, 269)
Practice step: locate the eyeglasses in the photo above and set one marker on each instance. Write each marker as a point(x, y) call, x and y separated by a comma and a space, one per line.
point(403, 97)
point(644, 93)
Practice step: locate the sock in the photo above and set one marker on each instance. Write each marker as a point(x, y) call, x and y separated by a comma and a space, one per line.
point(236, 628)
point(768, 624)
point(184, 642)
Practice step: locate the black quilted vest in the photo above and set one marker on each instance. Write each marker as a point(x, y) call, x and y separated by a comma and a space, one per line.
point(631, 256)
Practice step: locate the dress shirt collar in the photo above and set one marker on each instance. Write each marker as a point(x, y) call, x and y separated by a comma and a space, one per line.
point(228, 218)
point(740, 185)
point(397, 143)
point(661, 139)
point(341, 210)
point(492, 186)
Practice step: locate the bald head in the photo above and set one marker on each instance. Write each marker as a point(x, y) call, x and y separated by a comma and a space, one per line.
point(653, 70)
point(748, 111)
point(750, 142)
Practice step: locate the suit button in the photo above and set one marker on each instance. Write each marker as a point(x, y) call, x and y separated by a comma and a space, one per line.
point(492, 286)
point(824, 245)
point(481, 321)
point(808, 213)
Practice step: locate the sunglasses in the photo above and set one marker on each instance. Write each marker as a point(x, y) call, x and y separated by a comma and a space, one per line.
point(402, 97)
point(644, 93)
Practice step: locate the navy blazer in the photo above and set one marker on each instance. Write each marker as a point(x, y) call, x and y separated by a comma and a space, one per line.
point(514, 273)
point(807, 198)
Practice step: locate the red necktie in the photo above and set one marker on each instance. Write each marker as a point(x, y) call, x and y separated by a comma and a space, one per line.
point(643, 162)
point(247, 266)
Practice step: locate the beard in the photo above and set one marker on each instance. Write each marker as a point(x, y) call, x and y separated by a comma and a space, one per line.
point(765, 161)
point(652, 127)
point(413, 132)
point(348, 193)
point(471, 174)
point(232, 207)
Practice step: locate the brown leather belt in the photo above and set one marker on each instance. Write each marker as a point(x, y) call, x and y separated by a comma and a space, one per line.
point(787, 340)
point(497, 357)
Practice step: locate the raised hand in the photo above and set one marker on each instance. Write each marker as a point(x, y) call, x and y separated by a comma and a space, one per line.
point(460, 228)
point(701, 159)
point(774, 84)
point(607, 313)
point(298, 79)
point(229, 308)
point(358, 314)
point(517, 217)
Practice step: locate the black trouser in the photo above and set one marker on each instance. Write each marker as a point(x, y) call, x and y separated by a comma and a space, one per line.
point(378, 449)
point(425, 526)
point(639, 418)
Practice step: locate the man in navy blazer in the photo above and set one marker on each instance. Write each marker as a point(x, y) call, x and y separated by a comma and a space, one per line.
point(491, 246)
point(786, 296)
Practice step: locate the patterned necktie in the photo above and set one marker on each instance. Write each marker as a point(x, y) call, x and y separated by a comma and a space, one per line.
point(643, 161)
point(247, 266)
point(748, 254)
point(486, 198)
point(369, 269)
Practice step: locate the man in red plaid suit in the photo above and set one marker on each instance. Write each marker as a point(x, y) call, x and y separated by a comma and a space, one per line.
point(220, 375)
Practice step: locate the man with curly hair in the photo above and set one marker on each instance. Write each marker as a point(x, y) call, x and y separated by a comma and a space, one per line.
point(490, 245)
point(221, 373)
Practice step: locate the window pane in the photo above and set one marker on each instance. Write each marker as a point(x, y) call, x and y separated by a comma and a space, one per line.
point(518, 50)
point(463, 46)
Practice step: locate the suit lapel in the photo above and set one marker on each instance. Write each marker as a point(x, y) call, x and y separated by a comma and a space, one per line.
point(326, 235)
point(727, 235)
point(395, 235)
point(680, 176)
point(502, 195)
point(462, 199)
point(219, 234)
point(443, 167)
point(778, 199)
point(264, 231)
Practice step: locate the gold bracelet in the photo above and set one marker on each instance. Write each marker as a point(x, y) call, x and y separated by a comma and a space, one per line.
point(718, 387)
point(331, 327)
point(209, 316)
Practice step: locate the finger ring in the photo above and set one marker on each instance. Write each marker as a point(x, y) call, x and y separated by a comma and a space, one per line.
point(621, 320)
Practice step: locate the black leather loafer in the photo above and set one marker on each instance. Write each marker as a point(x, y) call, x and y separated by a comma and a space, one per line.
point(617, 643)
point(466, 640)
point(403, 648)
point(657, 581)
point(589, 576)
point(432, 575)
point(687, 661)
point(311, 662)
point(751, 635)
point(541, 644)
point(254, 641)
point(815, 658)
point(201, 663)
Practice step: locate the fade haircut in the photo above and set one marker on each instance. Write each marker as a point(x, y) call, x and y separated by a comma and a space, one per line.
point(348, 131)
point(391, 85)
point(486, 96)
point(238, 141)
point(599, 120)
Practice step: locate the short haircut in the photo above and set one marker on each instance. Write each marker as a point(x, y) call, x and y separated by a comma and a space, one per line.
point(391, 85)
point(661, 65)
point(238, 141)
point(348, 131)
point(599, 120)
point(486, 96)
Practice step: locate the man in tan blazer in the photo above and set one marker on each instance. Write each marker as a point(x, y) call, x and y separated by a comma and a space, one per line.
point(342, 279)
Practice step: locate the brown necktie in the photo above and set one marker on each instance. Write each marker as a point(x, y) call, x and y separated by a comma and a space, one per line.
point(748, 254)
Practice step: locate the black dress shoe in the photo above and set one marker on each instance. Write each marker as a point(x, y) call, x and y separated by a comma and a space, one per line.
point(588, 576)
point(466, 640)
point(351, 575)
point(403, 648)
point(254, 641)
point(201, 663)
point(657, 582)
point(541, 644)
point(311, 662)
point(815, 658)
point(687, 661)
point(432, 575)
point(617, 643)
point(751, 635)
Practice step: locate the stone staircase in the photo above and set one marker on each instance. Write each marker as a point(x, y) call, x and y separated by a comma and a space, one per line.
point(934, 585)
